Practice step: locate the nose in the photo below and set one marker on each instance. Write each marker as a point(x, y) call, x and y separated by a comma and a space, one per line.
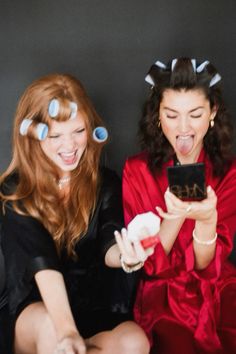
point(68, 142)
point(184, 124)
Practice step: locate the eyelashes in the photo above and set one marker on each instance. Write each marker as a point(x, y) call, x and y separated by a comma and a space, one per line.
point(197, 116)
point(191, 116)
point(171, 117)
point(79, 131)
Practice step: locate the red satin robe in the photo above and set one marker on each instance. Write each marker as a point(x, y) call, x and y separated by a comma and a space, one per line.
point(181, 309)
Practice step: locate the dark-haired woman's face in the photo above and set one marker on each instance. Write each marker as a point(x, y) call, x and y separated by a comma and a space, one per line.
point(185, 117)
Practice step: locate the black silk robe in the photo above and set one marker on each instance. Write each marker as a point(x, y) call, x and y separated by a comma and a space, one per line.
point(100, 296)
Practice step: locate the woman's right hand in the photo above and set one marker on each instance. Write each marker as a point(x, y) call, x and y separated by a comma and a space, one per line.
point(132, 251)
point(71, 344)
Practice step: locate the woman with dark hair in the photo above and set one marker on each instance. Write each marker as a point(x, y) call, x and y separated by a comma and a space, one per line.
point(186, 295)
point(60, 210)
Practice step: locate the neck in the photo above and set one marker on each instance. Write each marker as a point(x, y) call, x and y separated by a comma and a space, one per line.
point(63, 181)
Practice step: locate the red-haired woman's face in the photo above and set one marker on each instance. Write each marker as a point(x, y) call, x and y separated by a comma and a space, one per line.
point(185, 117)
point(66, 143)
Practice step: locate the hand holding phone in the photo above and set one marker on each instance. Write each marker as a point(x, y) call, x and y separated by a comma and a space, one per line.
point(187, 182)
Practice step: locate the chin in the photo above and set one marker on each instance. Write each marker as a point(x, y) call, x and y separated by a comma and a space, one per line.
point(69, 168)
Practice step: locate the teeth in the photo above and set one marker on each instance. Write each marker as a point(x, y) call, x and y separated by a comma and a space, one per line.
point(184, 137)
point(67, 154)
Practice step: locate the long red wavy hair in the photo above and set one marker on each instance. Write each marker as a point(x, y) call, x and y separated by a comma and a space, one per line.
point(36, 193)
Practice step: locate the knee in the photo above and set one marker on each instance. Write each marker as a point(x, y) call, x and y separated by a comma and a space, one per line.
point(46, 339)
point(134, 340)
point(33, 329)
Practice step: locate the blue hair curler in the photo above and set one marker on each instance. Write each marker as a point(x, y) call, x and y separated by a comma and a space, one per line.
point(53, 108)
point(194, 64)
point(160, 64)
point(100, 134)
point(149, 80)
point(25, 125)
point(202, 66)
point(174, 61)
point(74, 109)
point(42, 131)
point(215, 79)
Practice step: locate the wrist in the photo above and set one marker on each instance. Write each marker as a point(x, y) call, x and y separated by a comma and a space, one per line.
point(204, 242)
point(211, 219)
point(66, 331)
point(130, 268)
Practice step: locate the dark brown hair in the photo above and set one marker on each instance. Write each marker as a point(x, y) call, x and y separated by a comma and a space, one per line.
point(217, 141)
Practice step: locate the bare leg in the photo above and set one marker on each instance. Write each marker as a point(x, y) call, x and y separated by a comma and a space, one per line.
point(34, 331)
point(35, 334)
point(127, 338)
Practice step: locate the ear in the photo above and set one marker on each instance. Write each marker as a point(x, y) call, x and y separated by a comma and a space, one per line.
point(213, 112)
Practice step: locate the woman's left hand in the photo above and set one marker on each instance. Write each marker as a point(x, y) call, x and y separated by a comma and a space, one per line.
point(73, 344)
point(203, 210)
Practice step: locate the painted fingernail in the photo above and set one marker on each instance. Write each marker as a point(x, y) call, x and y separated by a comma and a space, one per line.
point(123, 231)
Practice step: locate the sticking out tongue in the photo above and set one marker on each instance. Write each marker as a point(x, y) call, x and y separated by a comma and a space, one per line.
point(184, 144)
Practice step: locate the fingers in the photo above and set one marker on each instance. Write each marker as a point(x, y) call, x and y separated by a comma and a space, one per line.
point(189, 208)
point(78, 350)
point(139, 250)
point(126, 247)
point(211, 194)
point(71, 345)
point(210, 191)
point(173, 199)
point(132, 251)
point(209, 202)
point(149, 251)
point(197, 210)
point(175, 206)
point(167, 216)
point(123, 241)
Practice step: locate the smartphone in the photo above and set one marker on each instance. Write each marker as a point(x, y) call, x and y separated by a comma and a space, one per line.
point(187, 182)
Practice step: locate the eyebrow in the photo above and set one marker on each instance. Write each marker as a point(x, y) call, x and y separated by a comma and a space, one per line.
point(192, 110)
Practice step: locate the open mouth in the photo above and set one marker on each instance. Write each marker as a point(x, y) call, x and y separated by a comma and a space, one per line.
point(68, 158)
point(185, 137)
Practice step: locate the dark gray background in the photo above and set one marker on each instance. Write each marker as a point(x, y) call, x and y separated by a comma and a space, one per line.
point(109, 45)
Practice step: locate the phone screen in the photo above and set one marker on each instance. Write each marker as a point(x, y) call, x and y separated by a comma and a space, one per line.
point(187, 182)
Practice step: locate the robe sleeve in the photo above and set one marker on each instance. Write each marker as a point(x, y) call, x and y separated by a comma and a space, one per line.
point(136, 201)
point(28, 248)
point(226, 226)
point(110, 210)
point(122, 286)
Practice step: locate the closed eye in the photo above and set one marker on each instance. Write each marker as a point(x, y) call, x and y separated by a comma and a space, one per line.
point(54, 136)
point(171, 117)
point(80, 130)
point(196, 116)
